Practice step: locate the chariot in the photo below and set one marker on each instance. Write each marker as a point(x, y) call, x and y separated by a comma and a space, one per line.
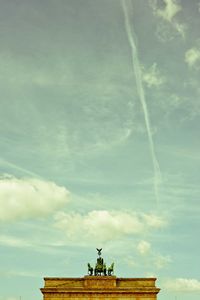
point(100, 267)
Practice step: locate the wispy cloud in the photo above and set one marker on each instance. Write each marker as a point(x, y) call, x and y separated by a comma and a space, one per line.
point(145, 253)
point(50, 243)
point(23, 73)
point(19, 273)
point(144, 247)
point(192, 57)
point(9, 298)
point(16, 167)
point(167, 14)
point(152, 76)
point(29, 198)
point(161, 261)
point(169, 11)
point(11, 241)
point(90, 114)
point(182, 285)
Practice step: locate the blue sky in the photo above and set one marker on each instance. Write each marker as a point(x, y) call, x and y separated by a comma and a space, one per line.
point(99, 146)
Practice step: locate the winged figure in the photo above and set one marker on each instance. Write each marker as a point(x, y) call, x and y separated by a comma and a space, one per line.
point(99, 251)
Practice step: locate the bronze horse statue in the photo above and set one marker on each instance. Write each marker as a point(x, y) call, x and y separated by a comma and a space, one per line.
point(90, 270)
point(111, 269)
point(99, 266)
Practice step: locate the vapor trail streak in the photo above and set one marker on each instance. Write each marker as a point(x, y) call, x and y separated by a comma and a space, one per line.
point(141, 93)
point(16, 167)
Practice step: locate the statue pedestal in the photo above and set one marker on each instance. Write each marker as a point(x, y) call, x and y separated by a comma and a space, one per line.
point(107, 282)
point(99, 288)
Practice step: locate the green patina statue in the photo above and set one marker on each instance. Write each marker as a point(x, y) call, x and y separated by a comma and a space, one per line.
point(90, 270)
point(111, 269)
point(100, 267)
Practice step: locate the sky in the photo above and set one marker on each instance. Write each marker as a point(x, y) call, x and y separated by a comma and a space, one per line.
point(99, 142)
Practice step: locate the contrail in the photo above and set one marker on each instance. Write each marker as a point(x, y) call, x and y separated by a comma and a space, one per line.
point(141, 93)
point(9, 164)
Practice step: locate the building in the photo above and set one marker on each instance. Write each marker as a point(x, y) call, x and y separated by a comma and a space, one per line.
point(101, 285)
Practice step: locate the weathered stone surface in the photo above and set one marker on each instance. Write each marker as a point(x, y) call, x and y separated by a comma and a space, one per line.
point(99, 288)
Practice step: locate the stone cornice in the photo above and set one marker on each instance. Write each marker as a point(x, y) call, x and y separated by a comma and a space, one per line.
point(89, 286)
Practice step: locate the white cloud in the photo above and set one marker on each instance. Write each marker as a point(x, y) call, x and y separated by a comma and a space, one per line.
point(12, 241)
point(170, 10)
point(166, 31)
point(192, 57)
point(167, 14)
point(46, 242)
point(14, 273)
point(144, 247)
point(161, 261)
point(152, 76)
point(154, 220)
point(152, 259)
point(29, 198)
point(103, 225)
point(130, 261)
point(181, 28)
point(183, 285)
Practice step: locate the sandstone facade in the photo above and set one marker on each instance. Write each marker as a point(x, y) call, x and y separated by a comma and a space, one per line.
point(99, 288)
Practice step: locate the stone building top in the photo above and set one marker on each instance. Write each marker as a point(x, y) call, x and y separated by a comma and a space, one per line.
point(91, 285)
point(99, 284)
